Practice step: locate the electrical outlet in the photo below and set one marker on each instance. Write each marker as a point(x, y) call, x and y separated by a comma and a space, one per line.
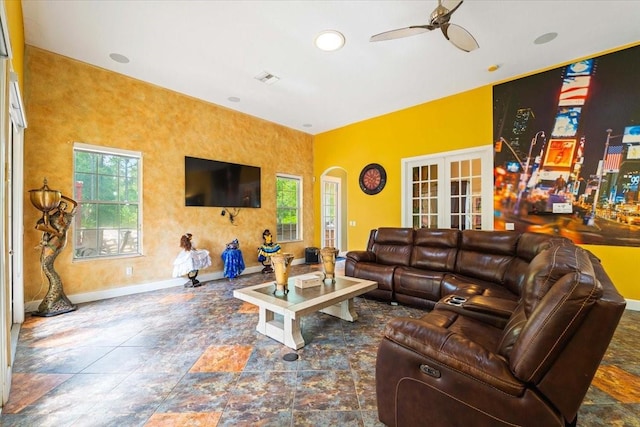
point(128, 271)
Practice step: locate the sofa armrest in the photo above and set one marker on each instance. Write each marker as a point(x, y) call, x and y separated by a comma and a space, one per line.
point(500, 307)
point(427, 338)
point(491, 310)
point(361, 256)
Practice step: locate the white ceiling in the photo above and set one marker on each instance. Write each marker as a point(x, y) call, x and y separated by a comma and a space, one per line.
point(212, 50)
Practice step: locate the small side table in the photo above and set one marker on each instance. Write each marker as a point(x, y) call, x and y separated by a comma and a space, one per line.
point(233, 263)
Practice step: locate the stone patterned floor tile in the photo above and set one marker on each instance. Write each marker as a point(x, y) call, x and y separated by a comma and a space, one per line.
point(616, 382)
point(200, 392)
point(123, 360)
point(223, 358)
point(325, 391)
point(327, 419)
point(253, 419)
point(138, 392)
point(188, 419)
point(247, 308)
point(365, 382)
point(28, 388)
point(609, 415)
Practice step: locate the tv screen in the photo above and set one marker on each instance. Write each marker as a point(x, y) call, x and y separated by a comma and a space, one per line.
point(220, 184)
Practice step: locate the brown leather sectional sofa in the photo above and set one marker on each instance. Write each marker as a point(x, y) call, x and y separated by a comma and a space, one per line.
point(518, 326)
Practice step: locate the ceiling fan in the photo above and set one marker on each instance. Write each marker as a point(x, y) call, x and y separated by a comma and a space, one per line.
point(439, 18)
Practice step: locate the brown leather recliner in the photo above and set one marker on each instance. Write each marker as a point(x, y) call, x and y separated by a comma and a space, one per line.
point(453, 368)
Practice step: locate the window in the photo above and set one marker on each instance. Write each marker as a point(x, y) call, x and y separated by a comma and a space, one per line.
point(288, 216)
point(108, 191)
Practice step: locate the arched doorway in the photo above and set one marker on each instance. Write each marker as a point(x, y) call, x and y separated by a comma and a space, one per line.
point(333, 209)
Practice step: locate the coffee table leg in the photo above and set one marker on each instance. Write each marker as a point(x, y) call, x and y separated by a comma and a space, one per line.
point(265, 316)
point(292, 334)
point(344, 310)
point(287, 332)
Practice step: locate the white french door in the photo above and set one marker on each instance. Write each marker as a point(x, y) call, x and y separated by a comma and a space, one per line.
point(331, 214)
point(449, 190)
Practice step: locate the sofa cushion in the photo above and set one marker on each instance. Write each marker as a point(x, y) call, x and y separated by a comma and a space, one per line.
point(548, 267)
point(393, 246)
point(435, 249)
point(542, 272)
point(529, 245)
point(383, 274)
point(418, 283)
point(485, 255)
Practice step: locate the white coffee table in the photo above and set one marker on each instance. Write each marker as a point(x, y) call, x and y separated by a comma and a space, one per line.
point(335, 299)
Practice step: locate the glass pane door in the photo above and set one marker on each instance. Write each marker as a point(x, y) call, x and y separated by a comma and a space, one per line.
point(424, 184)
point(330, 212)
point(449, 190)
point(466, 193)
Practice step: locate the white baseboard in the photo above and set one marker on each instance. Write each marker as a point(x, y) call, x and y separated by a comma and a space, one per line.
point(633, 304)
point(144, 287)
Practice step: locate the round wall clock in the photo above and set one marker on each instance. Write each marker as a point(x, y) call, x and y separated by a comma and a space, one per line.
point(373, 178)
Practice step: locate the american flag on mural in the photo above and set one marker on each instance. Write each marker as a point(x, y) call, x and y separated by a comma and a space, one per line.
point(612, 161)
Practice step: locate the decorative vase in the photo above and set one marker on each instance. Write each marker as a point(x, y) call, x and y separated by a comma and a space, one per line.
point(328, 256)
point(281, 264)
point(45, 200)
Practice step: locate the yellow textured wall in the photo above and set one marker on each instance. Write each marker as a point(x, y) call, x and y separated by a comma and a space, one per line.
point(16, 34)
point(460, 121)
point(68, 101)
point(452, 123)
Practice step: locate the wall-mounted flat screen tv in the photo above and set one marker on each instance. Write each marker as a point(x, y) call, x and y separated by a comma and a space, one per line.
point(220, 184)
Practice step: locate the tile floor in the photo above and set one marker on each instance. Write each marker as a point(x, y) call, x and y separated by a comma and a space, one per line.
point(192, 357)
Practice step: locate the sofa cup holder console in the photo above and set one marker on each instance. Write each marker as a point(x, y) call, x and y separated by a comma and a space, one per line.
point(455, 300)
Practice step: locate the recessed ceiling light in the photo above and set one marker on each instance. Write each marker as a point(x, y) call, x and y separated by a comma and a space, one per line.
point(329, 40)
point(119, 58)
point(233, 99)
point(545, 38)
point(307, 125)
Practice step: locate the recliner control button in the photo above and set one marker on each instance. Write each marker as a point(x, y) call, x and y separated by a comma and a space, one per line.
point(433, 372)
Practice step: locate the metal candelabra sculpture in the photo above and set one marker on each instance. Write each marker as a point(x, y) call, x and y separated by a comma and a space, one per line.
point(54, 224)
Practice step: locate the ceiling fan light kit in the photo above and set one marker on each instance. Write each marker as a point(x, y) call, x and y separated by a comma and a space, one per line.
point(439, 18)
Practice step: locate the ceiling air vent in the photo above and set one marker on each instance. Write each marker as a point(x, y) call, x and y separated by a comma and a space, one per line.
point(267, 78)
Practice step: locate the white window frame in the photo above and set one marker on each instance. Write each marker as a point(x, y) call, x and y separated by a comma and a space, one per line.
point(298, 208)
point(79, 146)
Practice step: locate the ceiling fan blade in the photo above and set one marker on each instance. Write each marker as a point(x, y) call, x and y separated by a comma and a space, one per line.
point(401, 32)
point(460, 37)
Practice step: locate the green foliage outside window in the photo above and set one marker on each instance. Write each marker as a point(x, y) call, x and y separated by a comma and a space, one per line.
point(287, 208)
point(107, 191)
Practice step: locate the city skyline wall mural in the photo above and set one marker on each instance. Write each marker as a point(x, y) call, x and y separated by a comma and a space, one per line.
point(567, 151)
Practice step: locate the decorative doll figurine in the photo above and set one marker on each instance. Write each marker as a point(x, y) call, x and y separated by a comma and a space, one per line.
point(232, 259)
point(267, 249)
point(190, 260)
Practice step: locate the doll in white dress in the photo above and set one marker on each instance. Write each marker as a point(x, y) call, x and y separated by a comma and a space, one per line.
point(190, 260)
